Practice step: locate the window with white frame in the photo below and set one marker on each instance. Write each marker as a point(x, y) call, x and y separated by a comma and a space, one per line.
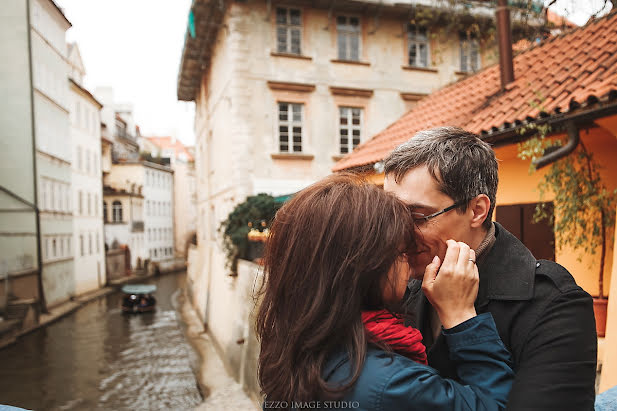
point(80, 204)
point(81, 245)
point(79, 158)
point(348, 37)
point(288, 30)
point(470, 52)
point(89, 204)
point(350, 128)
point(417, 46)
point(117, 212)
point(290, 127)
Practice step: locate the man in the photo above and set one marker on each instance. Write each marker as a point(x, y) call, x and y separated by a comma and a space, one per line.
point(448, 177)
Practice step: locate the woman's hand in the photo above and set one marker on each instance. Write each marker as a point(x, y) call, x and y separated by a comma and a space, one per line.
point(452, 288)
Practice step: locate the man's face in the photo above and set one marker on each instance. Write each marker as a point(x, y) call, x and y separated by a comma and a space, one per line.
point(421, 192)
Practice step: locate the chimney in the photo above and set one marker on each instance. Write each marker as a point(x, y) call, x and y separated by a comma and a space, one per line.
point(504, 36)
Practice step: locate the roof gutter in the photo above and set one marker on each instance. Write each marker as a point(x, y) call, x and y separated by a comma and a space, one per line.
point(513, 135)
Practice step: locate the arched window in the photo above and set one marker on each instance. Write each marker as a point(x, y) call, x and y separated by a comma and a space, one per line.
point(105, 211)
point(117, 212)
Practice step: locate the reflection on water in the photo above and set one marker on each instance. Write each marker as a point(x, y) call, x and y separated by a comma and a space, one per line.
point(100, 359)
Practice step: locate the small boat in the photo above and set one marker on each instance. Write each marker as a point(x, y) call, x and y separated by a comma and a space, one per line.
point(138, 298)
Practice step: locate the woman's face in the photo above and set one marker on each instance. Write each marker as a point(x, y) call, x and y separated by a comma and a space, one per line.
point(394, 285)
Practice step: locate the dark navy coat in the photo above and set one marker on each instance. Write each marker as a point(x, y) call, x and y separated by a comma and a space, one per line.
point(391, 382)
point(544, 319)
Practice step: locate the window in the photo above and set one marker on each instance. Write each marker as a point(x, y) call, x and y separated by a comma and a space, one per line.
point(288, 30)
point(350, 124)
point(348, 38)
point(89, 205)
point(97, 205)
point(79, 158)
point(105, 211)
point(470, 52)
point(290, 127)
point(53, 248)
point(53, 195)
point(87, 160)
point(538, 237)
point(117, 212)
point(98, 243)
point(90, 243)
point(81, 245)
point(417, 46)
point(80, 206)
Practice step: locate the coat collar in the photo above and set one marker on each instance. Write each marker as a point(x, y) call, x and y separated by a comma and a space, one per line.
point(507, 272)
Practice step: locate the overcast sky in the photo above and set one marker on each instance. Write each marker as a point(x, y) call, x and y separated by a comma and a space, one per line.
point(135, 47)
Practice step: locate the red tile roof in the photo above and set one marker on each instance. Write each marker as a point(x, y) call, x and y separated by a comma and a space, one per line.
point(171, 143)
point(556, 76)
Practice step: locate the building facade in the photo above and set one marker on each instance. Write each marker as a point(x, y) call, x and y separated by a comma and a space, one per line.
point(159, 211)
point(20, 259)
point(53, 148)
point(86, 183)
point(185, 195)
point(282, 90)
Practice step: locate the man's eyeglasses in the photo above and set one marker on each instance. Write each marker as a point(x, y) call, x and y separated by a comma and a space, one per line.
point(420, 218)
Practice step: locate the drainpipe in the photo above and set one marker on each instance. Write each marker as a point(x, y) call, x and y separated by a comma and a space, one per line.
point(504, 35)
point(553, 154)
point(39, 258)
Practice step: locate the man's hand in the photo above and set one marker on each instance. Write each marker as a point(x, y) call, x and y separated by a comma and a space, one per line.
point(452, 288)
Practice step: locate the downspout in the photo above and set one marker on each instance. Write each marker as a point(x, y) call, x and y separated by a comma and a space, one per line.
point(39, 258)
point(551, 156)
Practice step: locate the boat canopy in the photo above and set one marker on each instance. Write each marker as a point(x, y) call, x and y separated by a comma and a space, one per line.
point(139, 288)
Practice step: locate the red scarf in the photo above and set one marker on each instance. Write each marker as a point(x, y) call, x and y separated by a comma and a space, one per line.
point(386, 328)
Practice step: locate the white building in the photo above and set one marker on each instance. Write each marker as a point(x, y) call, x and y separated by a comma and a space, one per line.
point(159, 211)
point(185, 194)
point(87, 187)
point(53, 148)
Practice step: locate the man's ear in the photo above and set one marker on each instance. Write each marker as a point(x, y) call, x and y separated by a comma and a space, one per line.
point(479, 207)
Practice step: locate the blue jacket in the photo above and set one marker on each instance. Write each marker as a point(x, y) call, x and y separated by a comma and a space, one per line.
point(392, 382)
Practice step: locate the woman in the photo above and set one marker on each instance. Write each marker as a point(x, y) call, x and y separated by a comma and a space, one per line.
point(336, 266)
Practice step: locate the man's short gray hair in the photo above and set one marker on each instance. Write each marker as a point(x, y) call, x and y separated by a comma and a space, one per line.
point(463, 165)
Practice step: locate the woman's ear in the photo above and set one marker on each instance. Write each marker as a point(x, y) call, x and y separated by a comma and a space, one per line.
point(479, 206)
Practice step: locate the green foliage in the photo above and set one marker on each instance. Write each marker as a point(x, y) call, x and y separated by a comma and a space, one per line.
point(585, 207)
point(256, 212)
point(452, 17)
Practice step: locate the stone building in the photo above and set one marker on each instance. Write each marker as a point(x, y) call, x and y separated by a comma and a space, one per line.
point(283, 90)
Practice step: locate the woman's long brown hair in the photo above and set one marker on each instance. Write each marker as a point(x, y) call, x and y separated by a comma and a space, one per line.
point(330, 249)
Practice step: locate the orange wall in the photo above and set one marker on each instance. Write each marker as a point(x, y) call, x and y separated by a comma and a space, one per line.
point(517, 186)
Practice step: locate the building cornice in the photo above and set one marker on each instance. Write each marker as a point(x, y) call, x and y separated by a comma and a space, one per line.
point(287, 86)
point(85, 92)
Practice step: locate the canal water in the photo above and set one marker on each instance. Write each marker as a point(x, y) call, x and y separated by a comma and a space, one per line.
point(98, 358)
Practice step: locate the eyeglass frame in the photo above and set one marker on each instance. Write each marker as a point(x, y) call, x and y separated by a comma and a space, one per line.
point(426, 218)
